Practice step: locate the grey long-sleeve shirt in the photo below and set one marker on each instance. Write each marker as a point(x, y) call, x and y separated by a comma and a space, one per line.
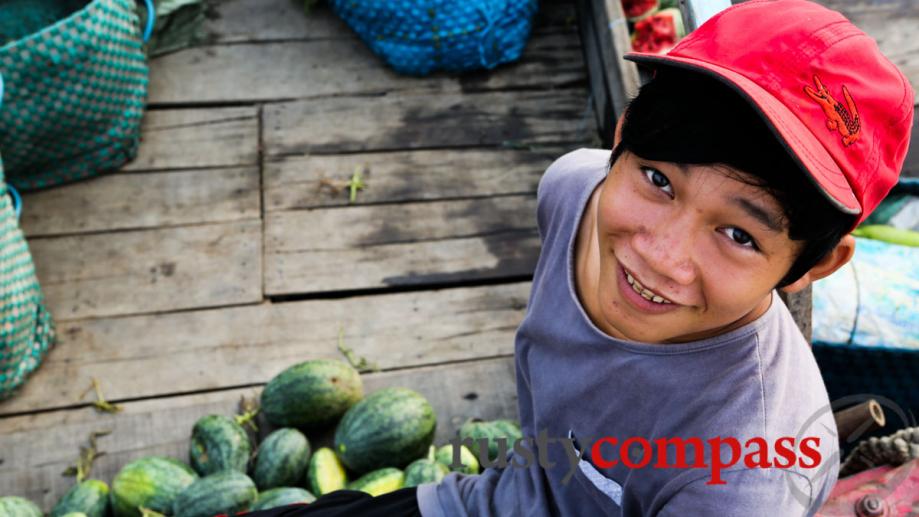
point(759, 380)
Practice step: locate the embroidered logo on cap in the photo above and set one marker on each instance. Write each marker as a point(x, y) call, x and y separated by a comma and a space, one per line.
point(838, 117)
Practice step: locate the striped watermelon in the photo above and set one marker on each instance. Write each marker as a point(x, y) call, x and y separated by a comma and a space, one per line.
point(218, 443)
point(152, 482)
point(390, 428)
point(226, 492)
point(90, 497)
point(12, 506)
point(282, 496)
point(311, 394)
point(282, 460)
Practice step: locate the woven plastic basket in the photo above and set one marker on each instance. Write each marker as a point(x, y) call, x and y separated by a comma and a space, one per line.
point(418, 37)
point(26, 328)
point(75, 89)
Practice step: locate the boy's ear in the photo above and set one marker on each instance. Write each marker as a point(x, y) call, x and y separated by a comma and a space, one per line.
point(835, 259)
point(617, 135)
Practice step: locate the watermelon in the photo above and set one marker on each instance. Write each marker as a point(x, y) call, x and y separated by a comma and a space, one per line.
point(390, 428)
point(90, 497)
point(311, 394)
point(425, 470)
point(444, 456)
point(379, 482)
point(218, 443)
point(637, 9)
point(12, 506)
point(152, 482)
point(281, 496)
point(658, 33)
point(227, 492)
point(476, 429)
point(282, 459)
point(326, 473)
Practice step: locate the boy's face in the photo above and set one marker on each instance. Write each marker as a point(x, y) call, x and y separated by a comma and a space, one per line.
point(710, 244)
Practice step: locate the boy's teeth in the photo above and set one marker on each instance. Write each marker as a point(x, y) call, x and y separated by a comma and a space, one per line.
point(645, 293)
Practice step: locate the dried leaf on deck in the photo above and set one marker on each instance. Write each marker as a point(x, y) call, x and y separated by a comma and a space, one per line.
point(100, 403)
point(88, 455)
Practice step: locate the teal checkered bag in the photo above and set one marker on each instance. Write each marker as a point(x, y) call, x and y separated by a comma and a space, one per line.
point(26, 329)
point(76, 87)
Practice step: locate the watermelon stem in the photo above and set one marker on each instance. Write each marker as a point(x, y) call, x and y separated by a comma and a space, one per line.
point(88, 455)
point(361, 364)
point(100, 403)
point(356, 183)
point(249, 409)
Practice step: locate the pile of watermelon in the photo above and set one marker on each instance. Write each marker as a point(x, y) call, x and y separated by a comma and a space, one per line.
point(655, 25)
point(382, 442)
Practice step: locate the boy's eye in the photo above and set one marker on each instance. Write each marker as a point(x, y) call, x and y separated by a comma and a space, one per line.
point(740, 237)
point(658, 179)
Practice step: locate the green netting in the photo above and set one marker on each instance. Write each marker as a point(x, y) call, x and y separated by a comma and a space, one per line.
point(75, 89)
point(26, 329)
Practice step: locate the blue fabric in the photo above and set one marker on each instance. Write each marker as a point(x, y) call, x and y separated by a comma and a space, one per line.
point(418, 37)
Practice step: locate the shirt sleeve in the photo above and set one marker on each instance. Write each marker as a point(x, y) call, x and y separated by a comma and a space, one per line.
point(550, 188)
point(746, 492)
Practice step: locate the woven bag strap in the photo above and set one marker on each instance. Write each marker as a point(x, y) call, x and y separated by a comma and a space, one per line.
point(151, 19)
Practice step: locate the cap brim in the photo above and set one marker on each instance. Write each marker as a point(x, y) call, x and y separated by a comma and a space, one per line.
point(797, 138)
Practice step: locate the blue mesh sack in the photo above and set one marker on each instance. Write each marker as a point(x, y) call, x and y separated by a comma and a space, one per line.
point(418, 37)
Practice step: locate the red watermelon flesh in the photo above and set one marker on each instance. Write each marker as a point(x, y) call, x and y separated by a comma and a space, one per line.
point(638, 9)
point(658, 33)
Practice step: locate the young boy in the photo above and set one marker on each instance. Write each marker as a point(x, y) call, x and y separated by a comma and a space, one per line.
point(658, 372)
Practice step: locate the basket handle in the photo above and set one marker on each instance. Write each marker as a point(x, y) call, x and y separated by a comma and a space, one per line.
point(17, 199)
point(151, 19)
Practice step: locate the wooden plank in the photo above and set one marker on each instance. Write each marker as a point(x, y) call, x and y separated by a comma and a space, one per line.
point(303, 69)
point(133, 201)
point(309, 251)
point(892, 23)
point(249, 21)
point(510, 119)
point(145, 356)
point(150, 270)
point(35, 449)
point(187, 138)
point(239, 21)
point(297, 182)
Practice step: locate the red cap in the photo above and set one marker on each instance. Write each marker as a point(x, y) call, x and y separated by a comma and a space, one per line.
point(841, 108)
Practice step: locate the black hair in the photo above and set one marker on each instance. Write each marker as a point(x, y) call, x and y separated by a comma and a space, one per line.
point(687, 117)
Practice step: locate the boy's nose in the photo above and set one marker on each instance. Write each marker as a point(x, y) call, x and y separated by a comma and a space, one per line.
point(667, 250)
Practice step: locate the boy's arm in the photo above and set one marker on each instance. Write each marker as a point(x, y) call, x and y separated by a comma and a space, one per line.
point(747, 492)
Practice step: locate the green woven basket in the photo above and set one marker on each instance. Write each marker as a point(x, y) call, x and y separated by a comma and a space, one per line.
point(26, 329)
point(76, 86)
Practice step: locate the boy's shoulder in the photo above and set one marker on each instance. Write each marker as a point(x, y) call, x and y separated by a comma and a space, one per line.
point(572, 165)
point(564, 181)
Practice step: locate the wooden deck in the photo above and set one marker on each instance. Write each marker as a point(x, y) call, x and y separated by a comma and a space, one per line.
point(217, 258)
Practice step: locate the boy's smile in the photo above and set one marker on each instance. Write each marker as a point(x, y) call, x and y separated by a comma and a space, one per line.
point(668, 253)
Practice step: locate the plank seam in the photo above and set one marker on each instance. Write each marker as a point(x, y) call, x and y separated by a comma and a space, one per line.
point(129, 400)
